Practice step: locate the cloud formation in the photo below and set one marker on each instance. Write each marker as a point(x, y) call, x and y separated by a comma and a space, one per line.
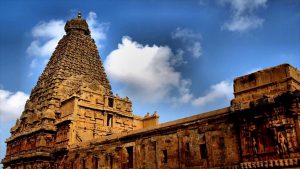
point(11, 104)
point(243, 14)
point(190, 41)
point(148, 75)
point(47, 34)
point(98, 29)
point(145, 71)
point(222, 90)
point(184, 93)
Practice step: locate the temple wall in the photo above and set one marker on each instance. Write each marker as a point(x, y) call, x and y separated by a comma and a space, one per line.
point(190, 143)
point(265, 135)
point(88, 120)
point(271, 81)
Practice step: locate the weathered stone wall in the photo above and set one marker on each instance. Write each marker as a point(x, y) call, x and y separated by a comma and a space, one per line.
point(271, 81)
point(263, 136)
point(266, 135)
point(195, 142)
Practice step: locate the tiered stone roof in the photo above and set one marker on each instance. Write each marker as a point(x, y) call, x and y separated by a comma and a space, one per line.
point(75, 63)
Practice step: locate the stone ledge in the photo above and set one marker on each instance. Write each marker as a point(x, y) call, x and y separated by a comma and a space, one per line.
point(29, 155)
point(68, 118)
point(49, 128)
point(290, 162)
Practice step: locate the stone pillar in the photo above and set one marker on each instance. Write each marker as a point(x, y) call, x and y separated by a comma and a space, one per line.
point(296, 116)
point(179, 136)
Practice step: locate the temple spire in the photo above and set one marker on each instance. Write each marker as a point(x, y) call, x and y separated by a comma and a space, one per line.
point(77, 24)
point(79, 14)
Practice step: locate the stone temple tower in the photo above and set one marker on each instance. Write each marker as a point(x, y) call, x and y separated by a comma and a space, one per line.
point(72, 102)
point(72, 120)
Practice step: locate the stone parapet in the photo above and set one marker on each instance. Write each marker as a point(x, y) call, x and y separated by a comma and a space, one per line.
point(268, 82)
point(34, 130)
point(279, 163)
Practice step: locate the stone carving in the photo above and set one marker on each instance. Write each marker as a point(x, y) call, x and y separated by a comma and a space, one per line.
point(282, 143)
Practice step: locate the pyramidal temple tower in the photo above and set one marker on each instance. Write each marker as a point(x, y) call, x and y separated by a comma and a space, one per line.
point(72, 120)
point(72, 102)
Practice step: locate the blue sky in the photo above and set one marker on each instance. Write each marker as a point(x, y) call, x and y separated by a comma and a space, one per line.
point(178, 58)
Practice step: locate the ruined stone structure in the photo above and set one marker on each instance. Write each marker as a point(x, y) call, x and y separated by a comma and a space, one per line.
point(73, 120)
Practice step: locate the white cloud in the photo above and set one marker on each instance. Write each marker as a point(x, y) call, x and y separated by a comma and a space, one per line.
point(98, 30)
point(145, 71)
point(33, 63)
point(177, 59)
point(244, 15)
point(29, 74)
point(148, 75)
point(190, 41)
point(47, 34)
point(185, 34)
point(222, 90)
point(195, 49)
point(11, 104)
point(185, 95)
point(243, 23)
